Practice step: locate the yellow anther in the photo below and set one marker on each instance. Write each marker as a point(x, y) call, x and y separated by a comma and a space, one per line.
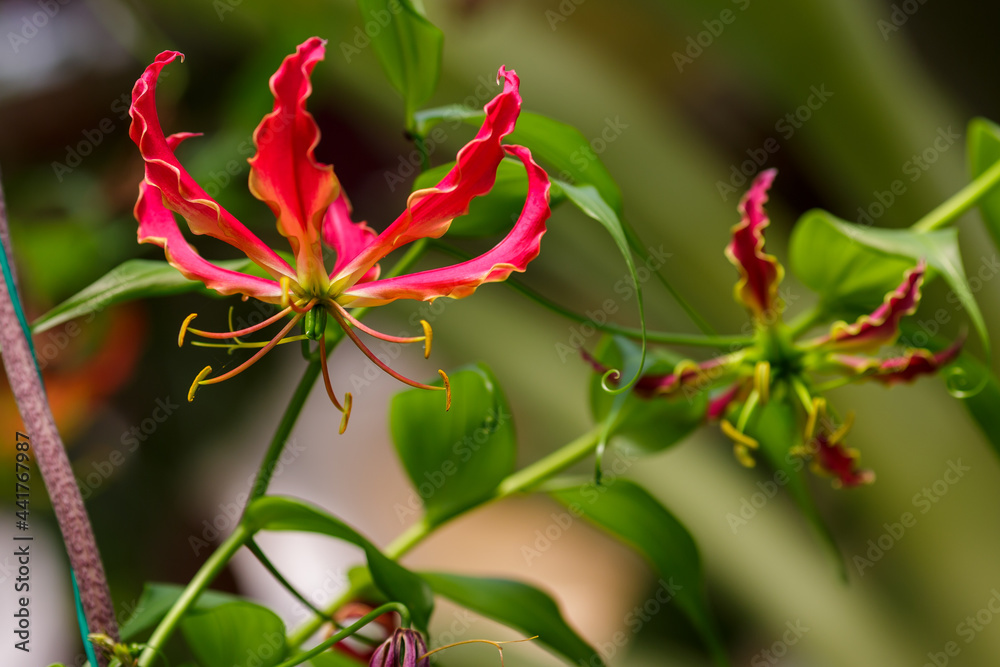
point(197, 382)
point(348, 402)
point(839, 434)
point(762, 380)
point(742, 443)
point(184, 328)
point(817, 412)
point(428, 337)
point(447, 389)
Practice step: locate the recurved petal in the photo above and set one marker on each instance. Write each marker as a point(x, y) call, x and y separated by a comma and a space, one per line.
point(157, 225)
point(513, 253)
point(871, 332)
point(840, 462)
point(180, 192)
point(429, 212)
point(284, 173)
point(760, 273)
point(347, 237)
point(905, 368)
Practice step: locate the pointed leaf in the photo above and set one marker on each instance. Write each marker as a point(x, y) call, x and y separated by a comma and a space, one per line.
point(519, 606)
point(777, 431)
point(982, 406)
point(408, 47)
point(236, 634)
point(395, 581)
point(984, 151)
point(633, 516)
point(133, 279)
point(455, 459)
point(157, 599)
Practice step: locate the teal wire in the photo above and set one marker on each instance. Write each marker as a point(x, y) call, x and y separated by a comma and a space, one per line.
point(8, 277)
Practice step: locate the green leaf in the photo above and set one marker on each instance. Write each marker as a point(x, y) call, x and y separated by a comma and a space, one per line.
point(519, 606)
point(849, 277)
point(653, 424)
point(563, 147)
point(776, 429)
point(237, 634)
point(633, 516)
point(333, 659)
point(982, 406)
point(984, 151)
point(493, 213)
point(590, 202)
point(133, 279)
point(398, 583)
point(157, 599)
point(455, 459)
point(408, 47)
point(939, 248)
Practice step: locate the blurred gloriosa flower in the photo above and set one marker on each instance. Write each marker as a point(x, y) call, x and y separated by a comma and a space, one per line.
point(312, 211)
point(778, 361)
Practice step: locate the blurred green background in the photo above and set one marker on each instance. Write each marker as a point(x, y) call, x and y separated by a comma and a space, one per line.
point(675, 127)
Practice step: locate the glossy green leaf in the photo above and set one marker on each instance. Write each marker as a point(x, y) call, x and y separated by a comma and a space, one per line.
point(236, 634)
point(156, 601)
point(849, 277)
point(456, 458)
point(562, 148)
point(493, 213)
point(134, 279)
point(653, 424)
point(633, 516)
point(398, 583)
point(520, 606)
point(776, 428)
point(984, 151)
point(939, 248)
point(408, 47)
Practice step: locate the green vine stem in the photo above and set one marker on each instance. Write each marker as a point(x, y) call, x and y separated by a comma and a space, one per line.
point(961, 201)
point(403, 612)
point(215, 563)
point(520, 481)
point(690, 340)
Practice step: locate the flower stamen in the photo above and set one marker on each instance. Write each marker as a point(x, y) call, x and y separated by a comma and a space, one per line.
point(246, 364)
point(378, 362)
point(221, 335)
point(346, 408)
point(742, 443)
point(355, 322)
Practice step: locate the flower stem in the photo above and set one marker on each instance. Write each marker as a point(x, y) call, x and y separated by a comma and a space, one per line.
point(194, 589)
point(961, 201)
point(350, 630)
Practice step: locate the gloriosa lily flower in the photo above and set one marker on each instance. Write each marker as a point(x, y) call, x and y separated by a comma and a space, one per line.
point(312, 210)
point(750, 375)
point(405, 648)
